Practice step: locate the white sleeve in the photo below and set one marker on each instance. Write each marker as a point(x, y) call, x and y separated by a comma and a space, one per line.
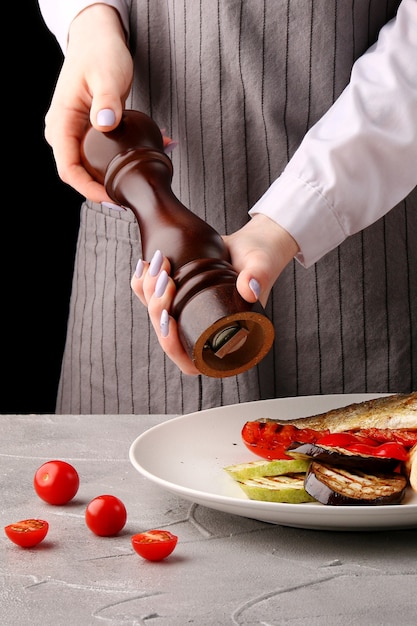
point(58, 15)
point(360, 159)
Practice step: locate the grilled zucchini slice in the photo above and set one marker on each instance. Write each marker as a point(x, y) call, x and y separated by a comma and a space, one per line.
point(287, 488)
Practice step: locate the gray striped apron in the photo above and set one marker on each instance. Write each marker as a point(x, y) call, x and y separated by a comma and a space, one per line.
point(237, 84)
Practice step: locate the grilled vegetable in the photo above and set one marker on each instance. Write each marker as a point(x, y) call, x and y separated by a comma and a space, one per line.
point(343, 458)
point(269, 440)
point(339, 487)
point(358, 442)
point(258, 469)
point(288, 488)
point(406, 437)
point(353, 455)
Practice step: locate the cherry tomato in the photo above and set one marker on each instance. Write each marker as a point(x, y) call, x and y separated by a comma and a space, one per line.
point(56, 482)
point(154, 545)
point(28, 532)
point(271, 440)
point(105, 515)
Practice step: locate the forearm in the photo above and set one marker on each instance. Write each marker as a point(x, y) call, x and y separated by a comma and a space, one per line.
point(360, 159)
point(59, 14)
point(97, 19)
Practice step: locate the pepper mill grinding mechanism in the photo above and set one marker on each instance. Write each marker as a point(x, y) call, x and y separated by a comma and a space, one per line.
point(222, 333)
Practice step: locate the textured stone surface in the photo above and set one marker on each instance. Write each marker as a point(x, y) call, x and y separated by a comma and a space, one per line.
point(225, 570)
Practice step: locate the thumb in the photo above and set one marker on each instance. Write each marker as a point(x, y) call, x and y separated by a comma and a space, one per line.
point(250, 288)
point(105, 114)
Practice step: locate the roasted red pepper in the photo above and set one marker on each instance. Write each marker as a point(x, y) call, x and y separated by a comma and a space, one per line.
point(390, 450)
point(407, 438)
point(361, 443)
point(344, 440)
point(271, 440)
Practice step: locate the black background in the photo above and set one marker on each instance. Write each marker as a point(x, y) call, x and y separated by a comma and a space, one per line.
point(39, 221)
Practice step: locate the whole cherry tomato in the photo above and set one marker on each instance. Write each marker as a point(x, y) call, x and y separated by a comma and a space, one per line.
point(56, 482)
point(105, 515)
point(154, 545)
point(28, 532)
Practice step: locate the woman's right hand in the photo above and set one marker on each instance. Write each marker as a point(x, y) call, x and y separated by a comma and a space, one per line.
point(92, 87)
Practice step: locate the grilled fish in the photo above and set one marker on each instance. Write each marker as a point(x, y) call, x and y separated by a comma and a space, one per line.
point(394, 411)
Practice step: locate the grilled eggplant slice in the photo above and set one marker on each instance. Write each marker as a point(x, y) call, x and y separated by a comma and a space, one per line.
point(340, 457)
point(337, 486)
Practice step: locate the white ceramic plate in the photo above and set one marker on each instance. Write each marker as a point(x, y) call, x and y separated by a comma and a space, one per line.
point(186, 456)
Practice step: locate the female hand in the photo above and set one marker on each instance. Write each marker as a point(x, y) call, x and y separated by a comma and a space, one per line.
point(92, 87)
point(259, 252)
point(156, 290)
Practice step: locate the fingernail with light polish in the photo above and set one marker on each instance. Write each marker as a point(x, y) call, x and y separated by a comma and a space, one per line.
point(169, 147)
point(164, 323)
point(156, 263)
point(255, 286)
point(139, 269)
point(106, 117)
point(114, 207)
point(161, 284)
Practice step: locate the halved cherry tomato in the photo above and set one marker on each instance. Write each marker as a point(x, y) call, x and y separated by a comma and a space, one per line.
point(271, 440)
point(56, 482)
point(105, 515)
point(154, 545)
point(28, 532)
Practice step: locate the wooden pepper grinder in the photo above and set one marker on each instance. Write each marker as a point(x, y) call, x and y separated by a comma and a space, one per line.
point(223, 334)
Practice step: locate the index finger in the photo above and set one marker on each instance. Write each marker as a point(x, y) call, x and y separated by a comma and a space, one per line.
point(66, 146)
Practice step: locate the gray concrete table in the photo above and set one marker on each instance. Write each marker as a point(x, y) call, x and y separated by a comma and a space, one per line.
point(225, 570)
